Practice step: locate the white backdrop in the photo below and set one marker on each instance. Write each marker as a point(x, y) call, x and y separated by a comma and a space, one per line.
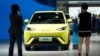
point(74, 11)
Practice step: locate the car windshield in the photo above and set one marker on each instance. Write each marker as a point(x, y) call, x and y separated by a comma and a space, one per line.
point(47, 18)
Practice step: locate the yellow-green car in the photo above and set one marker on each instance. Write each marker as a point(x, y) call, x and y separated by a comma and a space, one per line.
point(47, 28)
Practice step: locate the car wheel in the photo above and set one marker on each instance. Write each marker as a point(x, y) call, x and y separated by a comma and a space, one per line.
point(66, 47)
point(28, 48)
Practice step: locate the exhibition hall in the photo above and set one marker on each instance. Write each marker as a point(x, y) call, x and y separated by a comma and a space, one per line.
point(50, 28)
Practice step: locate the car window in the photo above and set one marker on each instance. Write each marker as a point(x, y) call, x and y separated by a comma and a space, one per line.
point(47, 18)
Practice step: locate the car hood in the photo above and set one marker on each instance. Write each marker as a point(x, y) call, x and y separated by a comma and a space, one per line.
point(46, 26)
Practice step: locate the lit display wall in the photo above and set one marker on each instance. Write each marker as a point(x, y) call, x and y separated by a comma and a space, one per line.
point(28, 7)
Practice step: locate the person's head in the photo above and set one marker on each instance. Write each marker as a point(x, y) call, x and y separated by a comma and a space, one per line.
point(94, 15)
point(84, 7)
point(14, 8)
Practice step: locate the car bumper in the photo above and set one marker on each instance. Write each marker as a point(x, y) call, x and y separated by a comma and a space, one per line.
point(58, 38)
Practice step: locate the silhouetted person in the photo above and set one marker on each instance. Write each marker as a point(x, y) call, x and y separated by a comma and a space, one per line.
point(15, 29)
point(84, 28)
point(93, 22)
point(98, 24)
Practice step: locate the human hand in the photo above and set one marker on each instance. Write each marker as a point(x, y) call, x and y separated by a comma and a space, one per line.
point(18, 12)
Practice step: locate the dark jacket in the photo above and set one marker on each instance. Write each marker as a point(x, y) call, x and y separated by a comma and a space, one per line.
point(16, 25)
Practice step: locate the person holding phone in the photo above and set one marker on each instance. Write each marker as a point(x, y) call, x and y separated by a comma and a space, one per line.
point(15, 29)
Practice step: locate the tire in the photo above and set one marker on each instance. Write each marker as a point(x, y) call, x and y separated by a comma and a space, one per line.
point(66, 47)
point(28, 48)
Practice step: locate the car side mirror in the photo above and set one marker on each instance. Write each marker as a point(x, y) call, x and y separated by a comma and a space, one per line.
point(26, 21)
point(69, 20)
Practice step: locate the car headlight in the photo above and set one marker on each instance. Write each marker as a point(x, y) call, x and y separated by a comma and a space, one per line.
point(29, 29)
point(62, 28)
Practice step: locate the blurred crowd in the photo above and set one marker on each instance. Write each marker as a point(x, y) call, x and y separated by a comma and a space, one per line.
point(96, 23)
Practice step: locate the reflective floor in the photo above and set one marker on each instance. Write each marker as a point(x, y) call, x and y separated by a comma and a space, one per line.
point(94, 49)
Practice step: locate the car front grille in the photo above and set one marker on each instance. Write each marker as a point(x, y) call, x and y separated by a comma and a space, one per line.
point(53, 42)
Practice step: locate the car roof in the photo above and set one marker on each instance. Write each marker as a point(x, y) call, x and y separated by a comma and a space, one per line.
point(48, 11)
